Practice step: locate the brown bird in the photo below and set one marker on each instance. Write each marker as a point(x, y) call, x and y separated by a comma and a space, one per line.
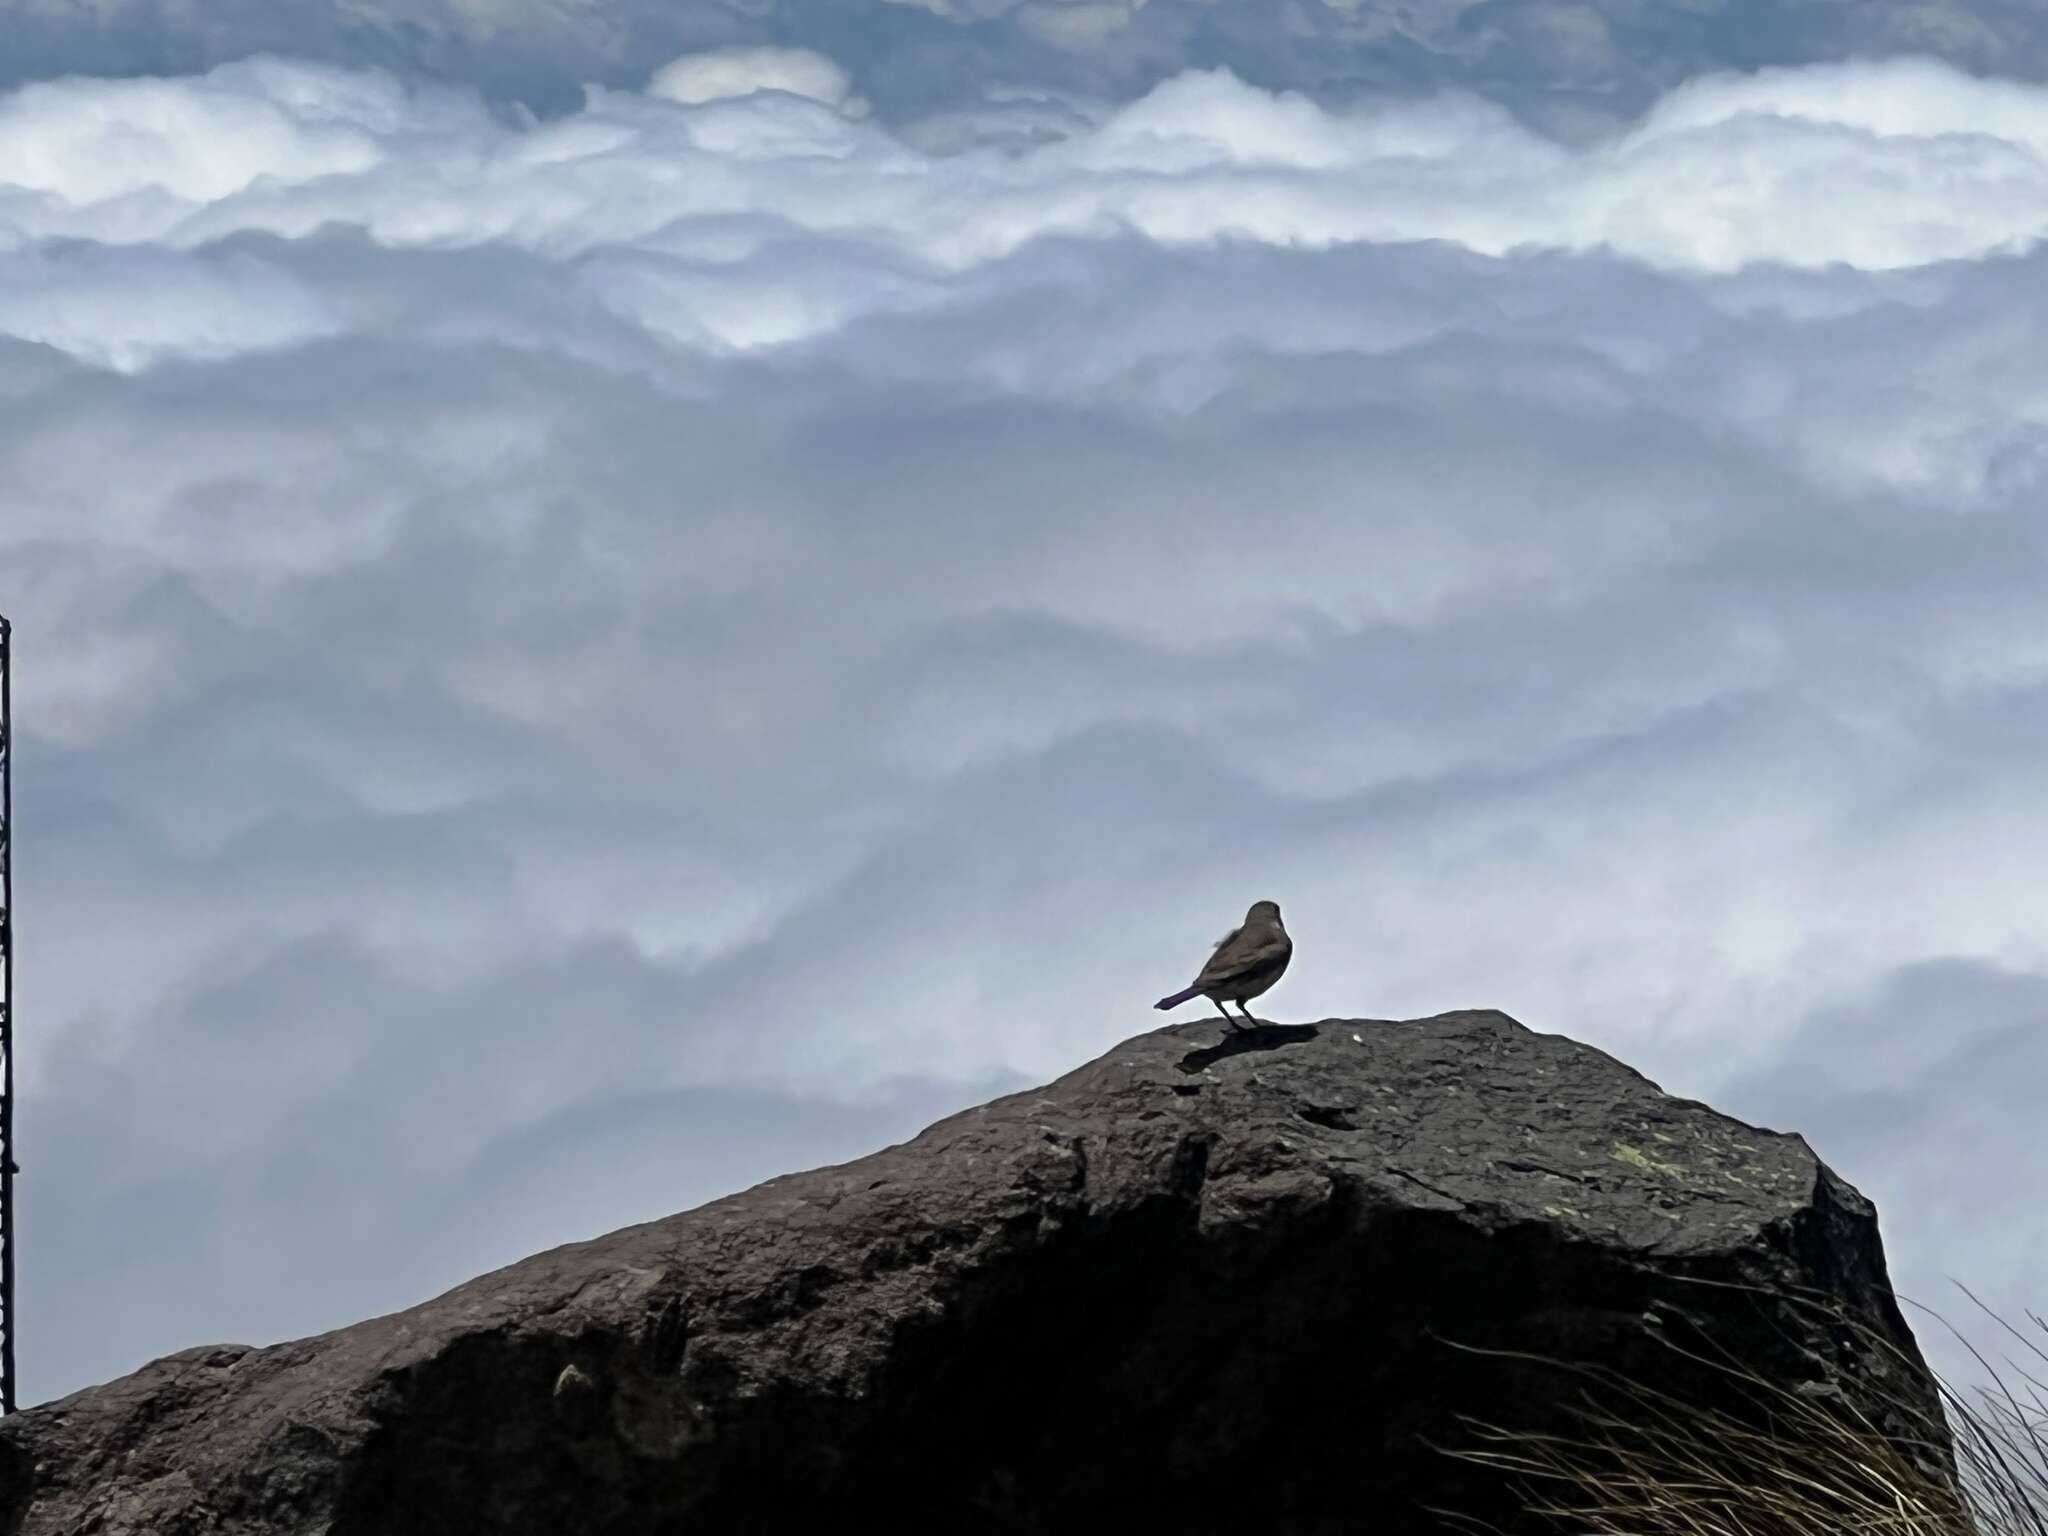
point(1247, 960)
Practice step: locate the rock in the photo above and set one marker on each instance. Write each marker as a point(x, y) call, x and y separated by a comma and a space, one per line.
point(1203, 1283)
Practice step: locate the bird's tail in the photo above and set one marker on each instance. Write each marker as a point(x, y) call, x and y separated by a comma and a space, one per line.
point(1178, 998)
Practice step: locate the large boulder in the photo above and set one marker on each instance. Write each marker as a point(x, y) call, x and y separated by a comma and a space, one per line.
point(1207, 1283)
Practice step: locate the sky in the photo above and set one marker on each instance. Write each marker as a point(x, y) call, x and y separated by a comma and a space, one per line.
point(613, 600)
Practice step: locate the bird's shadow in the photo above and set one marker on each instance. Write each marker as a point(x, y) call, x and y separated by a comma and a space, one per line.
point(1260, 1037)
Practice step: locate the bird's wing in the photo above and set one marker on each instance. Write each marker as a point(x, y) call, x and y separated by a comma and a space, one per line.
point(1243, 952)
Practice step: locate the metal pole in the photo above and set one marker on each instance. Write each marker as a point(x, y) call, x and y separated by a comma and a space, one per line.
point(7, 1170)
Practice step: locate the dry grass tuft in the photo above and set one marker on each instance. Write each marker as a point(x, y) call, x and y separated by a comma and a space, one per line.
point(1782, 1461)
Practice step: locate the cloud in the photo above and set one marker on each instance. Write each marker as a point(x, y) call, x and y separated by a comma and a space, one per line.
point(1929, 1056)
point(567, 664)
point(727, 73)
point(376, 1146)
point(93, 141)
point(1577, 66)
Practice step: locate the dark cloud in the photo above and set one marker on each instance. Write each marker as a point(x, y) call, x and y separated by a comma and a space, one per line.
point(1574, 65)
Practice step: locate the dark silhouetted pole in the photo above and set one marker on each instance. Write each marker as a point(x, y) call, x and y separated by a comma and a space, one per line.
point(7, 1329)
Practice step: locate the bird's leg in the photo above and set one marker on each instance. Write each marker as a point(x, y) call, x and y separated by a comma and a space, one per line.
point(1247, 1014)
point(1224, 1011)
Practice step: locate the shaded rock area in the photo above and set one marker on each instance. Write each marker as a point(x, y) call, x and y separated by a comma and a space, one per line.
point(1203, 1283)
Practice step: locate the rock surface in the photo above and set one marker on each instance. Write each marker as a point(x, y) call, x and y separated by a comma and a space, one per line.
point(1202, 1283)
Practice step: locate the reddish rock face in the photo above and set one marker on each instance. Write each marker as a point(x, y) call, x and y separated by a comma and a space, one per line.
point(1203, 1284)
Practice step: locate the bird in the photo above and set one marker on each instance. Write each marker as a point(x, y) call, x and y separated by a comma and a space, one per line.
point(1246, 961)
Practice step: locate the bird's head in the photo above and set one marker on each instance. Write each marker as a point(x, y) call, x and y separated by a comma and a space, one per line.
point(1264, 912)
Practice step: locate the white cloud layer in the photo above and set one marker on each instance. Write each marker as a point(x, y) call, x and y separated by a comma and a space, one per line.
point(569, 665)
point(1869, 166)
